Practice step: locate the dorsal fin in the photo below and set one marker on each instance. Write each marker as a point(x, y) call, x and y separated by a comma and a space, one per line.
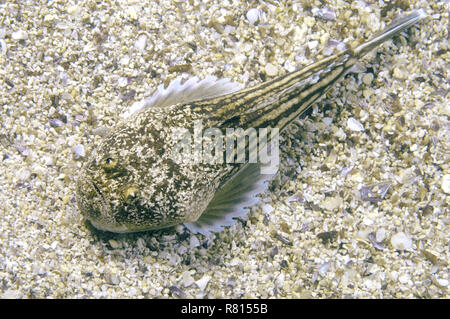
point(184, 92)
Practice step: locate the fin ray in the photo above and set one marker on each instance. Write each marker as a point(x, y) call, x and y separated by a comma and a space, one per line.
point(232, 200)
point(184, 92)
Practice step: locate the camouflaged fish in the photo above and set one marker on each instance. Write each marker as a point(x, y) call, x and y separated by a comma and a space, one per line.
point(132, 183)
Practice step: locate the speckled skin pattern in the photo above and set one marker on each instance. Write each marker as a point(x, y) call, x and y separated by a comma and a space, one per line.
point(131, 183)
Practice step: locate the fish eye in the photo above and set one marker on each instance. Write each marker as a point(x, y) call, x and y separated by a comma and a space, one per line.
point(109, 164)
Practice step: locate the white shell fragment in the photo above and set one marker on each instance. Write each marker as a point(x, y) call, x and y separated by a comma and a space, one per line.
point(194, 242)
point(253, 15)
point(401, 242)
point(122, 82)
point(245, 260)
point(78, 151)
point(2, 47)
point(333, 44)
point(354, 125)
point(19, 35)
point(267, 208)
point(203, 282)
point(445, 186)
point(271, 70)
point(331, 203)
point(186, 279)
point(141, 43)
point(326, 13)
point(380, 235)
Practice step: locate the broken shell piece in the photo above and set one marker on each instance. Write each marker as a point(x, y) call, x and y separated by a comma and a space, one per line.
point(333, 44)
point(176, 291)
point(401, 242)
point(253, 15)
point(141, 43)
point(78, 151)
point(445, 186)
point(203, 282)
point(19, 35)
point(2, 46)
point(55, 122)
point(186, 279)
point(376, 192)
point(374, 242)
point(354, 125)
point(327, 13)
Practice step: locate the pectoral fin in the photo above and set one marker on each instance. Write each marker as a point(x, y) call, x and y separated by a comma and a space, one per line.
point(232, 200)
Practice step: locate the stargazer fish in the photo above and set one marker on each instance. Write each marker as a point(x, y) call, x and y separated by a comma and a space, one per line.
point(131, 182)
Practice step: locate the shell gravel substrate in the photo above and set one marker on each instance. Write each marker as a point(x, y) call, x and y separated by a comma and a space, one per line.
point(358, 209)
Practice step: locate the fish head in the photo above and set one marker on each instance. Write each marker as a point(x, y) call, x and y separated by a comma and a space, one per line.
point(104, 192)
point(128, 185)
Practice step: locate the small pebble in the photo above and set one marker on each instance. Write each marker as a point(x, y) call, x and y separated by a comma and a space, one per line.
point(24, 175)
point(323, 268)
point(231, 281)
point(72, 10)
point(398, 74)
point(113, 279)
point(271, 70)
point(401, 242)
point(175, 290)
point(10, 294)
point(113, 243)
point(23, 150)
point(403, 278)
point(373, 22)
point(367, 78)
point(280, 280)
point(48, 160)
point(125, 60)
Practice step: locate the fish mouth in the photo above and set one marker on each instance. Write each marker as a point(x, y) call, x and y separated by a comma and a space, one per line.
point(96, 209)
point(98, 192)
point(91, 201)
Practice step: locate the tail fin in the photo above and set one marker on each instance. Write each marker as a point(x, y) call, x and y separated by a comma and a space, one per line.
point(392, 30)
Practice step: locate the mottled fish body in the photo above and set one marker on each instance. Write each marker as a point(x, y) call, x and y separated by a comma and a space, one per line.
point(131, 181)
